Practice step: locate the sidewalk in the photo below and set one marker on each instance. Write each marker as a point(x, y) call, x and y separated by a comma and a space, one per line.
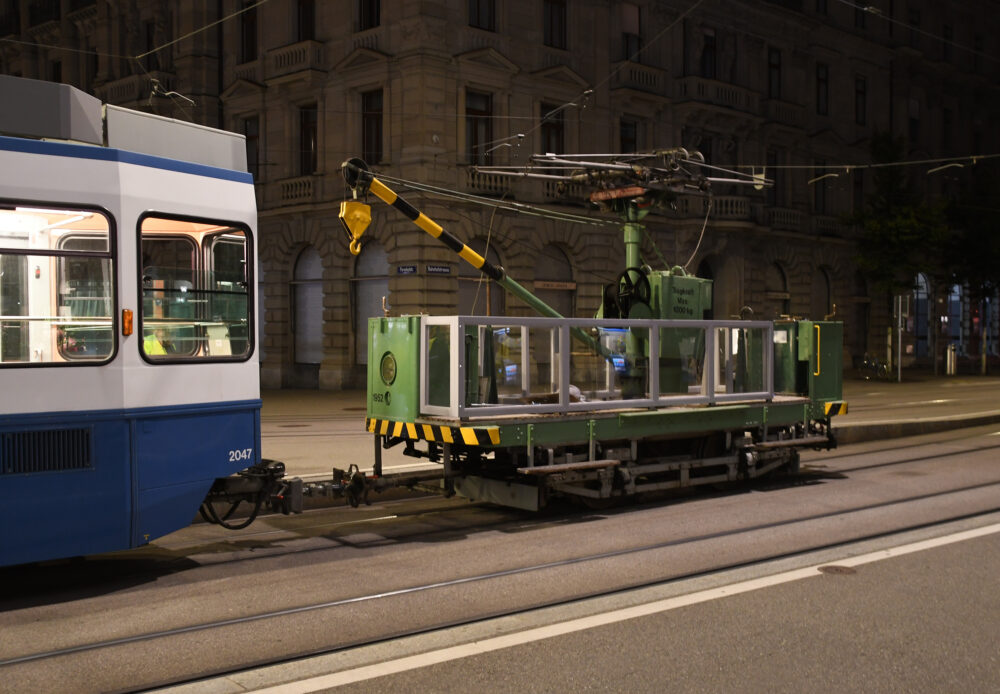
point(291, 403)
point(921, 403)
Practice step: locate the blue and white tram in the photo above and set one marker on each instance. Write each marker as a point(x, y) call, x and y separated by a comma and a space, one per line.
point(128, 373)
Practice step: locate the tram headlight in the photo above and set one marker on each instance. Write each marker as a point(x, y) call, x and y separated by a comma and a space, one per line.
point(388, 368)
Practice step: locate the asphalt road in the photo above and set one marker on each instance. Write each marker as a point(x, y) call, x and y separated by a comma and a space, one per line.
point(201, 600)
point(889, 625)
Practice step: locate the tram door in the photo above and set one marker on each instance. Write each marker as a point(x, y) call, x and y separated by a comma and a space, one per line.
point(199, 384)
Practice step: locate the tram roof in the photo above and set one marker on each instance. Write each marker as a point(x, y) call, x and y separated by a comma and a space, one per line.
point(46, 110)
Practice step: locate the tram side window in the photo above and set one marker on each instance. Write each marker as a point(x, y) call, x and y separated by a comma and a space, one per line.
point(56, 286)
point(226, 260)
point(83, 294)
point(195, 290)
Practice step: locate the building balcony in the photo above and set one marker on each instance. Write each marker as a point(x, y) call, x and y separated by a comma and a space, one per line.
point(629, 75)
point(370, 39)
point(473, 39)
point(724, 207)
point(288, 61)
point(295, 191)
point(133, 88)
point(490, 183)
point(251, 71)
point(562, 190)
point(783, 218)
point(706, 91)
point(829, 226)
point(785, 113)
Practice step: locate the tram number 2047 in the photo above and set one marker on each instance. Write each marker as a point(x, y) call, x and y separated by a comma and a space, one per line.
point(240, 455)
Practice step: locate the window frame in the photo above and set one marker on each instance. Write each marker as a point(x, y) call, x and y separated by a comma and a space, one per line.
point(305, 20)
point(822, 89)
point(709, 60)
point(860, 100)
point(631, 24)
point(552, 128)
point(200, 272)
point(773, 72)
point(369, 14)
point(111, 254)
point(482, 14)
point(625, 145)
point(372, 126)
point(474, 123)
point(249, 33)
point(555, 24)
point(308, 159)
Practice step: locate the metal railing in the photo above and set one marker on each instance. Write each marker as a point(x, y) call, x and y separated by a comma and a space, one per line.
point(475, 366)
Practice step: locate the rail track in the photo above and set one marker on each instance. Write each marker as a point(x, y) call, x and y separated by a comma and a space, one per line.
point(664, 557)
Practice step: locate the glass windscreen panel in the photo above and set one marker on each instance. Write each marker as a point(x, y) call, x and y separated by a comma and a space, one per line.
point(741, 360)
point(56, 286)
point(195, 290)
point(439, 367)
point(509, 365)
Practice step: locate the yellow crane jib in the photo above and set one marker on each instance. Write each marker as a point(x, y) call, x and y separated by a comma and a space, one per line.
point(362, 181)
point(355, 216)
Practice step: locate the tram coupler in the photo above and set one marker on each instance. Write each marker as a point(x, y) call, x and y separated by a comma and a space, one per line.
point(354, 485)
point(259, 485)
point(266, 481)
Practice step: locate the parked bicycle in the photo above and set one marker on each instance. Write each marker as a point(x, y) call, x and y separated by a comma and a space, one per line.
point(873, 368)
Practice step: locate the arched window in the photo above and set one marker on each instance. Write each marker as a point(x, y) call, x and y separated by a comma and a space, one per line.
point(370, 284)
point(778, 298)
point(308, 307)
point(554, 280)
point(822, 299)
point(476, 289)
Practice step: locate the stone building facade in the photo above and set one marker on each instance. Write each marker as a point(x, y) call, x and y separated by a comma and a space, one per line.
point(422, 90)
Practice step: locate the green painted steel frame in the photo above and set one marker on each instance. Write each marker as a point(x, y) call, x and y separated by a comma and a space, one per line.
point(646, 424)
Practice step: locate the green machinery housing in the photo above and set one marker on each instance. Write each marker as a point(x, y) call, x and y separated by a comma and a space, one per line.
point(650, 394)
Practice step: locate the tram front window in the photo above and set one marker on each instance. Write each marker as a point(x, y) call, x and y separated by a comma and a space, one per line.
point(56, 286)
point(195, 290)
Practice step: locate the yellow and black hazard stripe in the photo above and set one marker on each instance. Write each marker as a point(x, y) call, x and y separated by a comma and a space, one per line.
point(832, 409)
point(470, 436)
